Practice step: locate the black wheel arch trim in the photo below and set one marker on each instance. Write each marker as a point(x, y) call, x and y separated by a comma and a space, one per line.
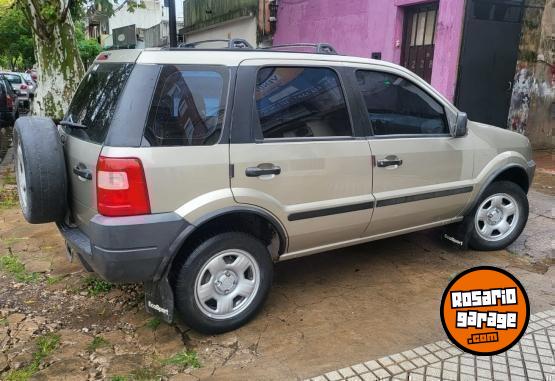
point(491, 178)
point(176, 245)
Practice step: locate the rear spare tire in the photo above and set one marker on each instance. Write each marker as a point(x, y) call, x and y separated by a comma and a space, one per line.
point(40, 170)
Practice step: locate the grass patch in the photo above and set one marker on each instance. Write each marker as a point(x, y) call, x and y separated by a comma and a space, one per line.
point(3, 322)
point(54, 279)
point(8, 198)
point(145, 374)
point(98, 342)
point(11, 240)
point(185, 358)
point(153, 323)
point(9, 178)
point(13, 265)
point(45, 345)
point(118, 378)
point(96, 286)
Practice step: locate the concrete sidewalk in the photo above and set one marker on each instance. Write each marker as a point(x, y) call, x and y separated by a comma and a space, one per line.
point(531, 359)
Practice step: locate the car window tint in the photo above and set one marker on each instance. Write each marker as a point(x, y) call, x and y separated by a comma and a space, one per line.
point(9, 88)
point(301, 102)
point(396, 106)
point(13, 78)
point(95, 100)
point(188, 107)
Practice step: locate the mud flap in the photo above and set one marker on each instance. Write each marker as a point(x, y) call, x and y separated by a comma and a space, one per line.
point(458, 234)
point(159, 299)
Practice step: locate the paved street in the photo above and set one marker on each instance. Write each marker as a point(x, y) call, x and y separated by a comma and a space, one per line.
point(531, 359)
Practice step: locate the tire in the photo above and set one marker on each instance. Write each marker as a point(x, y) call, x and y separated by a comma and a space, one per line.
point(492, 210)
point(194, 273)
point(40, 170)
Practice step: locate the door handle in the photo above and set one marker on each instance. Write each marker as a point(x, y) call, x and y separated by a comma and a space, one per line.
point(263, 170)
point(389, 162)
point(82, 172)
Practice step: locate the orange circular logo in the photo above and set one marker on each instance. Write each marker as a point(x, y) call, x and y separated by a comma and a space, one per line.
point(485, 311)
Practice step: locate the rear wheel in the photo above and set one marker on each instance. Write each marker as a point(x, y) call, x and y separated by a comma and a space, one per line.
point(499, 217)
point(223, 282)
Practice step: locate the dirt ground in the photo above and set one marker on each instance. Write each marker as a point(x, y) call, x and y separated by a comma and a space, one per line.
point(324, 311)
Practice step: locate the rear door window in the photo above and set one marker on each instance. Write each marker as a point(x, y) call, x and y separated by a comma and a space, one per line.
point(301, 102)
point(188, 106)
point(95, 100)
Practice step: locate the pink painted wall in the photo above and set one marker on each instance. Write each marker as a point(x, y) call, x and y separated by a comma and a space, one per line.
point(360, 27)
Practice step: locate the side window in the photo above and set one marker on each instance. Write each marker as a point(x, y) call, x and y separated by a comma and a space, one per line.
point(301, 102)
point(396, 106)
point(188, 107)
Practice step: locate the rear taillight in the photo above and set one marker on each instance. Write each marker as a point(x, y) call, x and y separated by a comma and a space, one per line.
point(23, 87)
point(9, 102)
point(121, 188)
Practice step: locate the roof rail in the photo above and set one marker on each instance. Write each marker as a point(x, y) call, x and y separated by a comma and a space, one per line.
point(234, 43)
point(320, 48)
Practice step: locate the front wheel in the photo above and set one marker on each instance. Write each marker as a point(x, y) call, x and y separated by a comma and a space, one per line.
point(499, 217)
point(223, 282)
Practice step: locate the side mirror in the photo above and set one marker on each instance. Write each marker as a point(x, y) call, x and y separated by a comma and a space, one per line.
point(461, 125)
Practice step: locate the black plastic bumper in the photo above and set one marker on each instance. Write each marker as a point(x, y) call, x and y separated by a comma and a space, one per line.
point(125, 249)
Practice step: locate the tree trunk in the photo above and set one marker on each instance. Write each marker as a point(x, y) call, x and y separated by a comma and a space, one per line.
point(59, 65)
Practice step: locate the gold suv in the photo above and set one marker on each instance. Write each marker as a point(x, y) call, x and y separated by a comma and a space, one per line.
point(195, 170)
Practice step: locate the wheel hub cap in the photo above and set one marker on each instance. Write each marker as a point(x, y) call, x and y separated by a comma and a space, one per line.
point(494, 216)
point(225, 282)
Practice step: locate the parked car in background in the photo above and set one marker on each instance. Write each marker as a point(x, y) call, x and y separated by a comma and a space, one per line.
point(31, 85)
point(20, 86)
point(9, 103)
point(33, 74)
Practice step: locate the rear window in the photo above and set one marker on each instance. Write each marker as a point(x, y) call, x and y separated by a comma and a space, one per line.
point(13, 78)
point(95, 100)
point(188, 106)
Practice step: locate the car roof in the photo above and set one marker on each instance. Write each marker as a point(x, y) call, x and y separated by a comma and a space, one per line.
point(11, 73)
point(228, 57)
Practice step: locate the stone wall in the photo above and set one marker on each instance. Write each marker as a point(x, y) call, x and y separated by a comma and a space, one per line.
point(533, 101)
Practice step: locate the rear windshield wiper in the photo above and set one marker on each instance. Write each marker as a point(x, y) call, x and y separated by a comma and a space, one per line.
point(73, 125)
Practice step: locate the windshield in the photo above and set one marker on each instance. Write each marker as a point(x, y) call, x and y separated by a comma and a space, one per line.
point(95, 100)
point(13, 78)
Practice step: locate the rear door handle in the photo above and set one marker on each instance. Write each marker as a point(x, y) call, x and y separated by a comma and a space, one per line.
point(390, 162)
point(82, 172)
point(263, 170)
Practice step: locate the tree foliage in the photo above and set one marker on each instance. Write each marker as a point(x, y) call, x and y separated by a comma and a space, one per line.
point(59, 50)
point(89, 48)
point(16, 40)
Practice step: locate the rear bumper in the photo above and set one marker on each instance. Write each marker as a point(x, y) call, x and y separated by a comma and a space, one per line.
point(125, 249)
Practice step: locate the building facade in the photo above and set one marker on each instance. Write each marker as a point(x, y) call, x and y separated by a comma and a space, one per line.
point(148, 25)
point(532, 109)
point(424, 36)
point(227, 19)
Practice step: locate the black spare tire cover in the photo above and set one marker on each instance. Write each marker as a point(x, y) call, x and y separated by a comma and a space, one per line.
point(40, 170)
